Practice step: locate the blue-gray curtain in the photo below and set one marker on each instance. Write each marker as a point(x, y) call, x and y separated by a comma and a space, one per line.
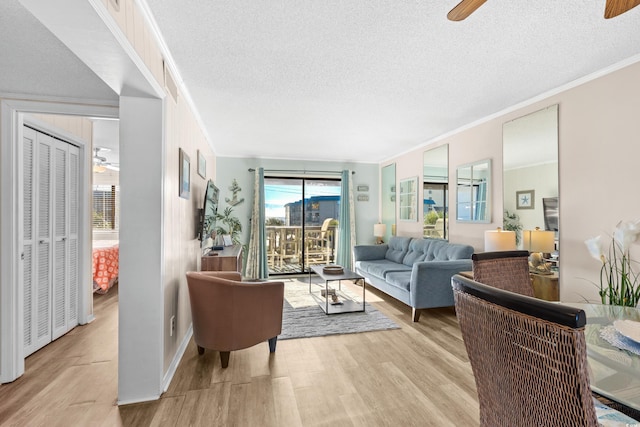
point(257, 267)
point(346, 222)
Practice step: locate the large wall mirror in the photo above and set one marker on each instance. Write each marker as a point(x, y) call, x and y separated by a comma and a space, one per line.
point(473, 192)
point(435, 190)
point(530, 153)
point(388, 194)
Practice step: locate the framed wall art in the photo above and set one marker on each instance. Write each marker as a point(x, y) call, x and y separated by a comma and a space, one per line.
point(185, 171)
point(525, 199)
point(202, 165)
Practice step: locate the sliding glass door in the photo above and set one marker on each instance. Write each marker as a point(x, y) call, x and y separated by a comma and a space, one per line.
point(301, 222)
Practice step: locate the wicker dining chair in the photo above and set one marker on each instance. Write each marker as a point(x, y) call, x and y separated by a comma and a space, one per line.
point(508, 270)
point(528, 358)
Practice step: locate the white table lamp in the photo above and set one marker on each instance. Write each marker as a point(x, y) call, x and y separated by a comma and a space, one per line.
point(379, 230)
point(499, 240)
point(538, 242)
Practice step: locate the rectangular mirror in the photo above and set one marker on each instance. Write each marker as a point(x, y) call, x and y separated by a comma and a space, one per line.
point(473, 185)
point(388, 194)
point(409, 199)
point(530, 173)
point(435, 188)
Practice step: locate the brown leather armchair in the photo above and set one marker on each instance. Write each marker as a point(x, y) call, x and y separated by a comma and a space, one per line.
point(229, 314)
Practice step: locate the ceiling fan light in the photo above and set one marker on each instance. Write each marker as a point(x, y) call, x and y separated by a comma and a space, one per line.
point(99, 168)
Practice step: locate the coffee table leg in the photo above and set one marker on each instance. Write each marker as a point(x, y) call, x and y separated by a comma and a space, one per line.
point(326, 296)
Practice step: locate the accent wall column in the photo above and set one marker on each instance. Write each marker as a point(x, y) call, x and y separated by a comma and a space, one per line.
point(141, 300)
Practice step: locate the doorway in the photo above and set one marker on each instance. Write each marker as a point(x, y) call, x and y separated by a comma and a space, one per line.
point(301, 221)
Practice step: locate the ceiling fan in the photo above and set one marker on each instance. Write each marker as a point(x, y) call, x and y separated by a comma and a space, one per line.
point(100, 163)
point(612, 8)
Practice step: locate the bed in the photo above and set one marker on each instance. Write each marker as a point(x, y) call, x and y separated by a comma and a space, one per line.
point(105, 265)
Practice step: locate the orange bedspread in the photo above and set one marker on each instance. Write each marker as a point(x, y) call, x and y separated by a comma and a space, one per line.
point(105, 268)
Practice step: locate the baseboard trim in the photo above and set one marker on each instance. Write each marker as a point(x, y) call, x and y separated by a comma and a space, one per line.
point(176, 359)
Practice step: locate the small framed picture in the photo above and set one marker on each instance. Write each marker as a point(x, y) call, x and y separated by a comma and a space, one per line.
point(185, 171)
point(525, 199)
point(363, 187)
point(202, 165)
point(226, 240)
point(363, 197)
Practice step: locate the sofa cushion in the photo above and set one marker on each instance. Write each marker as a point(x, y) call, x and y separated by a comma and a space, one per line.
point(380, 268)
point(398, 247)
point(417, 251)
point(399, 279)
point(440, 250)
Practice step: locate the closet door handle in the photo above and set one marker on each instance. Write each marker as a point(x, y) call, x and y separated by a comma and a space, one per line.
point(41, 241)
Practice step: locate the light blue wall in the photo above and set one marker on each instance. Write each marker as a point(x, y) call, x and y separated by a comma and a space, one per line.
point(230, 168)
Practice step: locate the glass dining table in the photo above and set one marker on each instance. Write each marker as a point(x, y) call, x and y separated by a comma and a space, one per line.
point(614, 372)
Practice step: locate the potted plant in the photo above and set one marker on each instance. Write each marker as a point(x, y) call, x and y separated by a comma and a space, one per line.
point(228, 223)
point(511, 222)
point(619, 282)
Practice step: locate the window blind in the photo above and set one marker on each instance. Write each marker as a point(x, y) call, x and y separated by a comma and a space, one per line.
point(106, 207)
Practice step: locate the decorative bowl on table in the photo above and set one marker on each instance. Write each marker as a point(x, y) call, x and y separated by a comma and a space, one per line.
point(332, 269)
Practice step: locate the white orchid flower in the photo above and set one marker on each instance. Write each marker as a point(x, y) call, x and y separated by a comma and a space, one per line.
point(626, 233)
point(596, 248)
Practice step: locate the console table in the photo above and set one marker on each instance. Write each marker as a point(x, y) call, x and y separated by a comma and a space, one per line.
point(228, 259)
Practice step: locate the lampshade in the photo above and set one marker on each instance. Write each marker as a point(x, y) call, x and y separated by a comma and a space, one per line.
point(539, 240)
point(499, 240)
point(379, 230)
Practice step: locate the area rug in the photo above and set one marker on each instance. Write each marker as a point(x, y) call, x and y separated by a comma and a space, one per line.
point(303, 318)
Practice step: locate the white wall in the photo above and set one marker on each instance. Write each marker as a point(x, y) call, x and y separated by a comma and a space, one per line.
point(598, 160)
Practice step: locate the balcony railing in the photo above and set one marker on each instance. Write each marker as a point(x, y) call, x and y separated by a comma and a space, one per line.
point(289, 251)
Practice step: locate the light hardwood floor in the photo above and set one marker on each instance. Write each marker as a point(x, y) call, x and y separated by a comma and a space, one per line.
point(418, 375)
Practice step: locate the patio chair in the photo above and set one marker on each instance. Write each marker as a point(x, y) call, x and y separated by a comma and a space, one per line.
point(529, 359)
point(508, 270)
point(230, 315)
point(319, 244)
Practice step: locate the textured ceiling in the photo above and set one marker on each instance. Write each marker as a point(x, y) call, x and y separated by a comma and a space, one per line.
point(366, 80)
point(33, 61)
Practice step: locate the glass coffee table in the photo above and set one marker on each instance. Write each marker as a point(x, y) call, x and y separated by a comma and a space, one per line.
point(332, 300)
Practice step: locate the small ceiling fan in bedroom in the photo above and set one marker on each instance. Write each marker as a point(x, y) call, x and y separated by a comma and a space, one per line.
point(612, 8)
point(100, 163)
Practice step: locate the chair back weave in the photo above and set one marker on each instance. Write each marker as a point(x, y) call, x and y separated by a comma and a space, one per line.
point(528, 357)
point(508, 270)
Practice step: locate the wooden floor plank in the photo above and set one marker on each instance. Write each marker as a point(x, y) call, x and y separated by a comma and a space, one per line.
point(418, 375)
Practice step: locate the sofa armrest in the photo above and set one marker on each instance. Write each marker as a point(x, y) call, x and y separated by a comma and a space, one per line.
point(369, 252)
point(431, 280)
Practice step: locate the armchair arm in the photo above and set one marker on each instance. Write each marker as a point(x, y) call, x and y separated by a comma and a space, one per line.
point(431, 282)
point(369, 252)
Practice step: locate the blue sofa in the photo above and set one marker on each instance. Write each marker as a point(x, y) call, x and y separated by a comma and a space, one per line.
point(415, 271)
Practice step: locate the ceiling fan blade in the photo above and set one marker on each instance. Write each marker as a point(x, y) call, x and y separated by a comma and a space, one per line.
point(464, 9)
point(614, 8)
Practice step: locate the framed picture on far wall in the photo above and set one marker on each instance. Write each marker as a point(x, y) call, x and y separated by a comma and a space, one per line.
point(185, 171)
point(525, 199)
point(202, 165)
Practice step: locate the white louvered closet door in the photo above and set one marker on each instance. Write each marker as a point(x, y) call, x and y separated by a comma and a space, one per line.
point(50, 264)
